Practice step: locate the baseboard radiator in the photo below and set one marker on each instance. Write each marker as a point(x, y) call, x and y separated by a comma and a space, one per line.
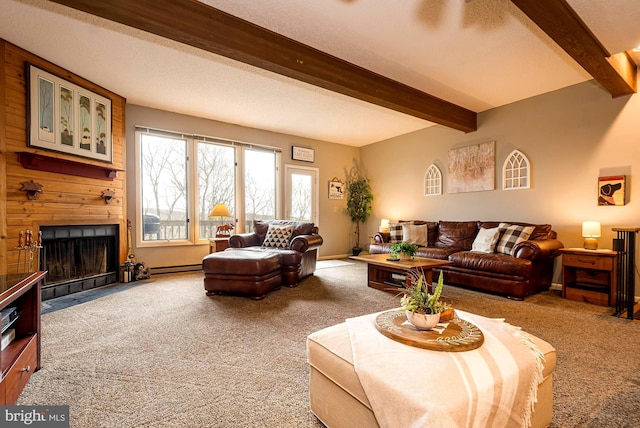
point(175, 269)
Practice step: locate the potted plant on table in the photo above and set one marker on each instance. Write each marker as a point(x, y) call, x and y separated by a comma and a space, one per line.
point(408, 250)
point(422, 308)
point(359, 198)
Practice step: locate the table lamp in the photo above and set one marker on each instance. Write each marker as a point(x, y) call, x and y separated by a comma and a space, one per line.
point(590, 231)
point(384, 225)
point(221, 211)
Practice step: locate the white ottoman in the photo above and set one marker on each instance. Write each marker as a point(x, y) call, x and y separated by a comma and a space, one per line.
point(338, 400)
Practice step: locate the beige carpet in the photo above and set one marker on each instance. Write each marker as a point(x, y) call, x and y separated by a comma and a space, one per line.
point(162, 354)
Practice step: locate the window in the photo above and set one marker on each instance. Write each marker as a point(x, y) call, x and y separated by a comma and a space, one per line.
point(433, 181)
point(259, 186)
point(216, 185)
point(182, 177)
point(301, 193)
point(516, 171)
point(163, 172)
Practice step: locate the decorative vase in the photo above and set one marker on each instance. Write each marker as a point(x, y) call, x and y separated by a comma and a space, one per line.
point(406, 257)
point(423, 321)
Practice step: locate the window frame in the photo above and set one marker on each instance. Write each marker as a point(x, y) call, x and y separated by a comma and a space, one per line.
point(193, 220)
point(140, 242)
point(196, 179)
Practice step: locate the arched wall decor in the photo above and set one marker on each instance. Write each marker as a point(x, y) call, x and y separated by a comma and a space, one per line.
point(516, 171)
point(433, 181)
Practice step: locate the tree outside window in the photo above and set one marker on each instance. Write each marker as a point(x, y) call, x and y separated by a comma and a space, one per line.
point(164, 187)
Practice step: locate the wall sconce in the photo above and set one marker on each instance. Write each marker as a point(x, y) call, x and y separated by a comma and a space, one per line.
point(590, 231)
point(108, 195)
point(32, 189)
point(384, 225)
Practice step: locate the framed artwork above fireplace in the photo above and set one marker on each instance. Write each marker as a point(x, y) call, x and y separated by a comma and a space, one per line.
point(65, 117)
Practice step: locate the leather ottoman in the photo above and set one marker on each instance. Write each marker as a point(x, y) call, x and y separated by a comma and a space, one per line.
point(338, 399)
point(248, 273)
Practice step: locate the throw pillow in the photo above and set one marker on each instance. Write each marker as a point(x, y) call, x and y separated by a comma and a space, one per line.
point(511, 235)
point(415, 234)
point(486, 240)
point(395, 233)
point(278, 236)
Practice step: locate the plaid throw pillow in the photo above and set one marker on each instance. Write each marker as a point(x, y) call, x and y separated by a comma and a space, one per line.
point(278, 236)
point(510, 235)
point(395, 233)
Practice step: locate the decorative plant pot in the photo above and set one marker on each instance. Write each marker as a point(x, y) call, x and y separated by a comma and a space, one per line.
point(406, 257)
point(423, 321)
point(356, 251)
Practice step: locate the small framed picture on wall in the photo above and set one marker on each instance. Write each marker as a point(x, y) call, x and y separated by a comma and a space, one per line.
point(611, 190)
point(304, 154)
point(336, 189)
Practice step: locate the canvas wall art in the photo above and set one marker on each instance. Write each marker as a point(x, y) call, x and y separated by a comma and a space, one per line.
point(611, 190)
point(472, 168)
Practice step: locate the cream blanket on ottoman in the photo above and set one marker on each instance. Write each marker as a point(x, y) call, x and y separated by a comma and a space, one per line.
point(492, 386)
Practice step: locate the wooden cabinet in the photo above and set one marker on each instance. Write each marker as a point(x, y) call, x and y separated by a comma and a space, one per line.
point(589, 275)
point(20, 358)
point(218, 244)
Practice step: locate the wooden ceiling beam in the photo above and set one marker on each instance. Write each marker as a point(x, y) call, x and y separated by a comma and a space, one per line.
point(616, 73)
point(204, 27)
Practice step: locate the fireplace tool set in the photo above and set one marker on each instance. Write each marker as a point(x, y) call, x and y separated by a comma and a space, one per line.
point(29, 246)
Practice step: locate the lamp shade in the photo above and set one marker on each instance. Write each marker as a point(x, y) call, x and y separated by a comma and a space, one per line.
point(219, 210)
point(590, 229)
point(384, 225)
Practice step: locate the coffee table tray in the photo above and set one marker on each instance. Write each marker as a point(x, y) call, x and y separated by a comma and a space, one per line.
point(459, 335)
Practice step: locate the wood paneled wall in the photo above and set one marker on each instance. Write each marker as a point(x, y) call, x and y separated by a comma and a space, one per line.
point(67, 199)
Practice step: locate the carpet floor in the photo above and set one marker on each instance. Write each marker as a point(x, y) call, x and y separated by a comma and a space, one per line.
point(162, 354)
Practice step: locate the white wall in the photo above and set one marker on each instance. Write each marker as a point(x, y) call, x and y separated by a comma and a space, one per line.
point(571, 136)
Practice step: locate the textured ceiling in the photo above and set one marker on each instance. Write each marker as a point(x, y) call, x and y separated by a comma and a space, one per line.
point(479, 54)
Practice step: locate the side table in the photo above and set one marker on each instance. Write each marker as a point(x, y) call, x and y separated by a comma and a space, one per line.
point(589, 275)
point(218, 244)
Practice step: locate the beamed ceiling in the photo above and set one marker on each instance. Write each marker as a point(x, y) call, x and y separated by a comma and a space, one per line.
point(345, 71)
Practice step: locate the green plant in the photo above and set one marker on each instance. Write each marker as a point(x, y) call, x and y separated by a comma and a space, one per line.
point(405, 248)
point(416, 296)
point(359, 198)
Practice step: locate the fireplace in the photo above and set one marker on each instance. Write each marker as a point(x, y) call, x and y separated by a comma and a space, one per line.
point(78, 258)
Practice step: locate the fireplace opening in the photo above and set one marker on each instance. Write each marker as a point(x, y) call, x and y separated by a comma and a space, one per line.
point(78, 258)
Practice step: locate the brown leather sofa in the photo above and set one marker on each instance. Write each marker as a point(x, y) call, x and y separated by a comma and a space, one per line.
point(527, 270)
point(296, 262)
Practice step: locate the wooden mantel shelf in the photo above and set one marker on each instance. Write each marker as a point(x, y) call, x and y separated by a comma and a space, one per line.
point(42, 162)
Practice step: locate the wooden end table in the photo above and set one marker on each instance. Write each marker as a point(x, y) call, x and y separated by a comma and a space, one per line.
point(386, 275)
point(589, 275)
point(218, 244)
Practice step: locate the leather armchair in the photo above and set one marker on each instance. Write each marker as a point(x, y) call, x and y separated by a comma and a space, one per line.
point(298, 261)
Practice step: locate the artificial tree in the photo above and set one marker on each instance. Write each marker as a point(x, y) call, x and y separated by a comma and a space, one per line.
point(359, 198)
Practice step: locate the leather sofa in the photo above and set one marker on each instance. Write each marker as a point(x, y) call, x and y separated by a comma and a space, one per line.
point(297, 261)
point(528, 268)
